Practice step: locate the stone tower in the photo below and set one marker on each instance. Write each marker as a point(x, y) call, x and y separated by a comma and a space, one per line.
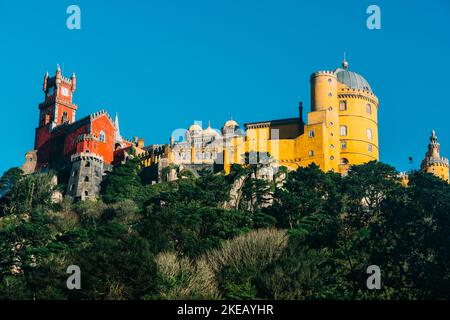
point(86, 175)
point(433, 162)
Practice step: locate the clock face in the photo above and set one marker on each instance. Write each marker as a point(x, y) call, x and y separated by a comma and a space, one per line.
point(50, 91)
point(65, 91)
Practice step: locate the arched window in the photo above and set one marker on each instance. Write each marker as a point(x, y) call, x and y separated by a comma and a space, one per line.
point(369, 108)
point(344, 161)
point(65, 117)
point(86, 179)
point(311, 153)
point(88, 164)
point(369, 134)
point(311, 133)
point(343, 130)
point(102, 136)
point(342, 105)
point(344, 145)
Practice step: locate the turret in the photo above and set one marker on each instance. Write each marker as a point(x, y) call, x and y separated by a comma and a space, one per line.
point(433, 162)
point(74, 82)
point(44, 88)
point(323, 90)
point(58, 74)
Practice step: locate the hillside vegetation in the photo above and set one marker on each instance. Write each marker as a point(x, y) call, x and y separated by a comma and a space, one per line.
point(311, 237)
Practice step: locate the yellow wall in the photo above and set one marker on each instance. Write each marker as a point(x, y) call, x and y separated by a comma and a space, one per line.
point(439, 171)
point(293, 144)
point(358, 121)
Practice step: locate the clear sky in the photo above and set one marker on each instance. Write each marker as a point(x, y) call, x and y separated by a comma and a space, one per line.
point(163, 64)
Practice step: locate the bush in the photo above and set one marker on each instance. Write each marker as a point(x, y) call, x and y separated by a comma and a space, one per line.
point(180, 278)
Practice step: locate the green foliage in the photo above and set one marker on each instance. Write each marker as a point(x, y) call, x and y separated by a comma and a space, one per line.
point(299, 273)
point(181, 278)
point(122, 183)
point(310, 237)
point(239, 261)
point(117, 265)
point(26, 193)
point(192, 230)
point(9, 179)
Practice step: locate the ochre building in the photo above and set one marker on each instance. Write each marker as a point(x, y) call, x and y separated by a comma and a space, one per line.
point(341, 129)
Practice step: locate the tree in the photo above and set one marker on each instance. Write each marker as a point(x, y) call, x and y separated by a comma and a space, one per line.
point(28, 192)
point(116, 265)
point(239, 261)
point(192, 230)
point(181, 278)
point(9, 179)
point(122, 183)
point(300, 273)
point(309, 201)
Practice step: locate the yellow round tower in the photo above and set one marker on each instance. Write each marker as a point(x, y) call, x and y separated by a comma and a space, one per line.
point(433, 162)
point(358, 121)
point(324, 111)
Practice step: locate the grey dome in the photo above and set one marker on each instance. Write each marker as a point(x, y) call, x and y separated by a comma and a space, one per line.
point(352, 79)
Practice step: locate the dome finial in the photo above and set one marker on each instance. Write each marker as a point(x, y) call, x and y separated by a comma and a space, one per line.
point(345, 63)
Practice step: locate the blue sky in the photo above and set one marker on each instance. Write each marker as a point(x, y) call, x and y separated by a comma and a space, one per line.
point(163, 64)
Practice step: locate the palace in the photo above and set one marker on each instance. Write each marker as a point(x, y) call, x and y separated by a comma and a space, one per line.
point(341, 129)
point(81, 151)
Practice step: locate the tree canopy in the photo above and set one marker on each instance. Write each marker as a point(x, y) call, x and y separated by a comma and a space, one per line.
point(309, 236)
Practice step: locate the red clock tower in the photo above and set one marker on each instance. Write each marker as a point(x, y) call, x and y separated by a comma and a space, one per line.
point(57, 108)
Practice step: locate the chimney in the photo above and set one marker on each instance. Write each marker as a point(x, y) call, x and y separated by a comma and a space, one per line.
point(300, 113)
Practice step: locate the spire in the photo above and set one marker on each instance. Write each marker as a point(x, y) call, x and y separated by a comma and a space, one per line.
point(433, 141)
point(117, 135)
point(116, 122)
point(345, 62)
point(45, 81)
point(74, 82)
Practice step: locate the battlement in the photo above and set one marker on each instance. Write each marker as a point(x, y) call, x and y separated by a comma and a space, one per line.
point(441, 162)
point(351, 91)
point(323, 73)
point(100, 113)
point(66, 80)
point(86, 156)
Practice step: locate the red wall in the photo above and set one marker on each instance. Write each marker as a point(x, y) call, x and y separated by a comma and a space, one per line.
point(105, 149)
point(58, 146)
